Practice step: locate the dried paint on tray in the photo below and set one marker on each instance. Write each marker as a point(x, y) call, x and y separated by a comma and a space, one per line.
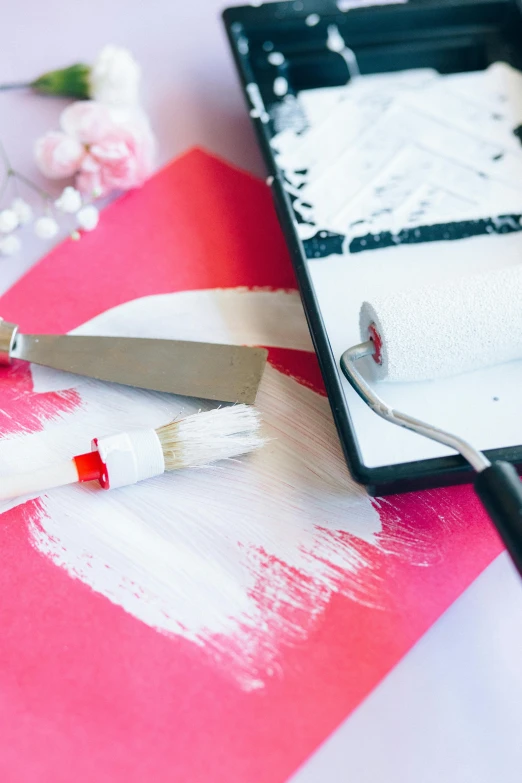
point(405, 158)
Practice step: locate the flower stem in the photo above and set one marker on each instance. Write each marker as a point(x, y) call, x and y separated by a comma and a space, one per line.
point(43, 193)
point(8, 171)
point(13, 174)
point(4, 185)
point(5, 160)
point(15, 86)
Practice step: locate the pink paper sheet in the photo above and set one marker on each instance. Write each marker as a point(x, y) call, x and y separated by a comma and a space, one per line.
point(88, 691)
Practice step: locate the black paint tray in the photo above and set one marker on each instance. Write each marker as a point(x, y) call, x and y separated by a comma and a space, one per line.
point(287, 51)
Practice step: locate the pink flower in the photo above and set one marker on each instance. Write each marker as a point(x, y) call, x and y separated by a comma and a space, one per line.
point(116, 148)
point(58, 155)
point(87, 121)
point(122, 160)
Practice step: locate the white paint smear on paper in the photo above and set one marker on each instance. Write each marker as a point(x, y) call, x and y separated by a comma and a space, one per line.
point(238, 558)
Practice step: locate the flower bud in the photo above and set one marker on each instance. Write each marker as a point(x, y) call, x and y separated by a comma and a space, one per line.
point(46, 228)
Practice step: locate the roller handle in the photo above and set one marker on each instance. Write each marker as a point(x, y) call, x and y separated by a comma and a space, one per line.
point(500, 490)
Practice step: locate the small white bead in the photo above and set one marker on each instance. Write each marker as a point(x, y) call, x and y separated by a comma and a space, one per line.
point(22, 210)
point(46, 228)
point(75, 235)
point(10, 245)
point(70, 201)
point(8, 220)
point(88, 217)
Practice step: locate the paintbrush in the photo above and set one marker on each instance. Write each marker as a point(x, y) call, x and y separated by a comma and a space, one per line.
point(228, 373)
point(129, 457)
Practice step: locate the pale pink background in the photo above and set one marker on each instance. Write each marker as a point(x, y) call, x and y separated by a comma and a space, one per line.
point(452, 709)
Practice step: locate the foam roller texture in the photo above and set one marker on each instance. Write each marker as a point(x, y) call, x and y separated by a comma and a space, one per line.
point(441, 331)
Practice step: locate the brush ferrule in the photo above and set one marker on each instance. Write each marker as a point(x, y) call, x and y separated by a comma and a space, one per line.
point(130, 457)
point(7, 340)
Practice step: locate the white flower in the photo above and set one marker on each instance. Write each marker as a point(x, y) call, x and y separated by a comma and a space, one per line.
point(10, 245)
point(115, 77)
point(88, 217)
point(8, 220)
point(46, 228)
point(70, 201)
point(22, 210)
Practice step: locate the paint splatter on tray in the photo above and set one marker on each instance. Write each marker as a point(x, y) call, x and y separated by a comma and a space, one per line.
point(405, 158)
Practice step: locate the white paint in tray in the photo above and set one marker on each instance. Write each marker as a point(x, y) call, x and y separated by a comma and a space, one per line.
point(386, 162)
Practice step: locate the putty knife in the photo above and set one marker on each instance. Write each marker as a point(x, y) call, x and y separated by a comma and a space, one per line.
point(228, 373)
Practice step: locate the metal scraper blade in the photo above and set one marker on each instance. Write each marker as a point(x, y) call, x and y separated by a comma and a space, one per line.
point(228, 373)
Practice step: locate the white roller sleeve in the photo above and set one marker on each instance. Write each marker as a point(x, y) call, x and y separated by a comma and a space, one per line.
point(446, 330)
point(131, 457)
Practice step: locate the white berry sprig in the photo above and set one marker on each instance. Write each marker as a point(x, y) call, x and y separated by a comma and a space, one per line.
point(69, 208)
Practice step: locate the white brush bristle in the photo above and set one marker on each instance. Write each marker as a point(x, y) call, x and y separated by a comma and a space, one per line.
point(210, 436)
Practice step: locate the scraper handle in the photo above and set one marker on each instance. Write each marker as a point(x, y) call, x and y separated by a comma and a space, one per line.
point(500, 490)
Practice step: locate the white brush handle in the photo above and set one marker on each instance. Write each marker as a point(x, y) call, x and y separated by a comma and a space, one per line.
point(38, 480)
point(128, 457)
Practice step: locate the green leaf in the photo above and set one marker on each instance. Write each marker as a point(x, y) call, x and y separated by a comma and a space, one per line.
point(72, 82)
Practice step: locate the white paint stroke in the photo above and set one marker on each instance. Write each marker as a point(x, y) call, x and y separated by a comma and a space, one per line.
point(258, 110)
point(349, 5)
point(240, 558)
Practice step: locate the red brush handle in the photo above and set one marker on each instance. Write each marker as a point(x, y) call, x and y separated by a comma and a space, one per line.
point(90, 467)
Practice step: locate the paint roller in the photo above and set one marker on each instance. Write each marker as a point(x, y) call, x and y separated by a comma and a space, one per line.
point(428, 333)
